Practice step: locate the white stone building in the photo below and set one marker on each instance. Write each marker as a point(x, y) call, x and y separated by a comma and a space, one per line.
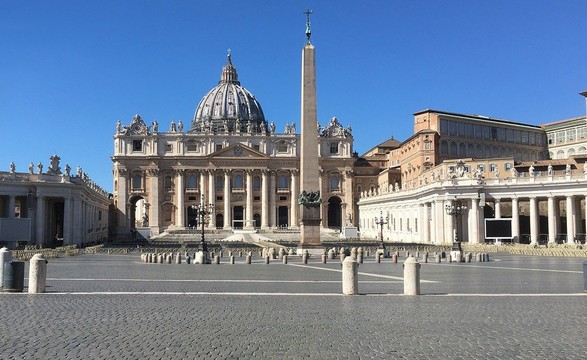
point(229, 156)
point(51, 208)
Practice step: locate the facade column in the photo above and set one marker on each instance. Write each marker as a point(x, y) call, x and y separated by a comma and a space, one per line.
point(227, 208)
point(78, 236)
point(202, 187)
point(551, 220)
point(179, 191)
point(264, 201)
point(440, 223)
point(154, 201)
point(294, 199)
point(497, 208)
point(249, 210)
point(40, 221)
point(272, 191)
point(67, 223)
point(570, 220)
point(211, 197)
point(433, 221)
point(515, 220)
point(450, 223)
point(534, 229)
point(473, 221)
point(424, 224)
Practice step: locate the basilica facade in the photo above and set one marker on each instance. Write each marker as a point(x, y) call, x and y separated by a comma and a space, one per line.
point(230, 157)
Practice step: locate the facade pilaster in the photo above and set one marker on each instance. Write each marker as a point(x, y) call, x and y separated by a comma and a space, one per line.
point(294, 199)
point(227, 207)
point(67, 221)
point(272, 206)
point(264, 201)
point(249, 206)
point(153, 196)
point(441, 223)
point(179, 192)
point(497, 205)
point(211, 197)
point(122, 202)
point(77, 228)
point(425, 224)
point(473, 220)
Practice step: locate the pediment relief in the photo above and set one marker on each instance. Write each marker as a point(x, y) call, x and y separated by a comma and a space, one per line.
point(238, 151)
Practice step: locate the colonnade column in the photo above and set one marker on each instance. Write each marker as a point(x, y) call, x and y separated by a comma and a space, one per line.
point(77, 220)
point(272, 189)
point(154, 201)
point(424, 223)
point(40, 221)
point(534, 229)
point(67, 223)
point(473, 218)
point(440, 220)
point(264, 200)
point(497, 208)
point(515, 220)
point(11, 206)
point(211, 196)
point(227, 209)
point(570, 220)
point(551, 221)
point(249, 205)
point(179, 219)
point(433, 221)
point(121, 203)
point(294, 199)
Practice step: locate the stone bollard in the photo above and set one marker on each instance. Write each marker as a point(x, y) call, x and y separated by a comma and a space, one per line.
point(160, 259)
point(221, 254)
point(331, 254)
point(281, 253)
point(305, 256)
point(272, 253)
point(354, 253)
point(169, 258)
point(178, 258)
point(240, 254)
point(232, 259)
point(284, 258)
point(350, 276)
point(485, 257)
point(360, 255)
point(468, 257)
point(478, 257)
point(188, 259)
point(411, 276)
point(200, 258)
point(407, 254)
point(378, 257)
point(394, 258)
point(458, 257)
point(324, 258)
point(437, 258)
point(37, 274)
point(217, 259)
point(341, 255)
point(229, 253)
point(290, 252)
point(367, 253)
point(267, 259)
point(448, 258)
point(417, 254)
point(248, 259)
point(425, 258)
point(5, 256)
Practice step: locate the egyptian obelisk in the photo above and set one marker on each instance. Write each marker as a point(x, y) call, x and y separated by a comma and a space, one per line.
point(309, 200)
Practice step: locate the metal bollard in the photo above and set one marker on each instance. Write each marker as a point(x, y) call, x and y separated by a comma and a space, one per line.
point(37, 274)
point(350, 276)
point(411, 276)
point(13, 276)
point(284, 258)
point(248, 259)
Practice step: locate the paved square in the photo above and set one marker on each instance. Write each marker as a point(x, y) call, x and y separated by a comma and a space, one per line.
point(115, 307)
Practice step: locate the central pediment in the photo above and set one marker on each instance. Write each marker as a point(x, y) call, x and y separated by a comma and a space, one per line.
point(238, 151)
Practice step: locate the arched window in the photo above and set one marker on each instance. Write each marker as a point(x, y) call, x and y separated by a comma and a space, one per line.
point(444, 148)
point(282, 182)
point(453, 149)
point(168, 183)
point(137, 181)
point(334, 183)
point(560, 154)
point(582, 150)
point(462, 150)
point(238, 181)
point(192, 182)
point(571, 152)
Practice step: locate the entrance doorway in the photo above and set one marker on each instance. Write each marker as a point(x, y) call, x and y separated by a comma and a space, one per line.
point(238, 217)
point(334, 213)
point(282, 217)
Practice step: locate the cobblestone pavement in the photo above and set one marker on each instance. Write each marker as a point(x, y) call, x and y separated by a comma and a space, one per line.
point(114, 307)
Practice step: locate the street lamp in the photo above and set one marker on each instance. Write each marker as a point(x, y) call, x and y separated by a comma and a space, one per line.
point(455, 209)
point(381, 221)
point(203, 212)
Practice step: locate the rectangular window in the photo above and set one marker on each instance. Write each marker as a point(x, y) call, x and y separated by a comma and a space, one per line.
point(334, 147)
point(257, 147)
point(192, 148)
point(427, 145)
point(493, 167)
point(282, 148)
point(283, 198)
point(168, 148)
point(581, 132)
point(508, 166)
point(218, 147)
point(481, 167)
point(137, 145)
point(571, 135)
point(560, 137)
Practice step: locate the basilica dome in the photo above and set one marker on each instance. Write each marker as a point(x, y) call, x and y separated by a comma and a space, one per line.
point(229, 107)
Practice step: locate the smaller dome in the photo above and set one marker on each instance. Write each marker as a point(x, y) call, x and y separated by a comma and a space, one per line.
point(229, 107)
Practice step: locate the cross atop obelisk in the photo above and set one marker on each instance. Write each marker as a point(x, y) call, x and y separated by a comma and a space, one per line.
point(309, 200)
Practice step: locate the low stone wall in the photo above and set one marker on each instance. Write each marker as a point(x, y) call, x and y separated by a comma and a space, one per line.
point(517, 249)
point(26, 255)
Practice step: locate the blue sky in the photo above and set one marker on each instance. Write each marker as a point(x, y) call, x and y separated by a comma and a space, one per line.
point(70, 69)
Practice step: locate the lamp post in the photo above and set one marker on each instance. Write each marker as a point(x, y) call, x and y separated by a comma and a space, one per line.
point(203, 212)
point(381, 221)
point(455, 209)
